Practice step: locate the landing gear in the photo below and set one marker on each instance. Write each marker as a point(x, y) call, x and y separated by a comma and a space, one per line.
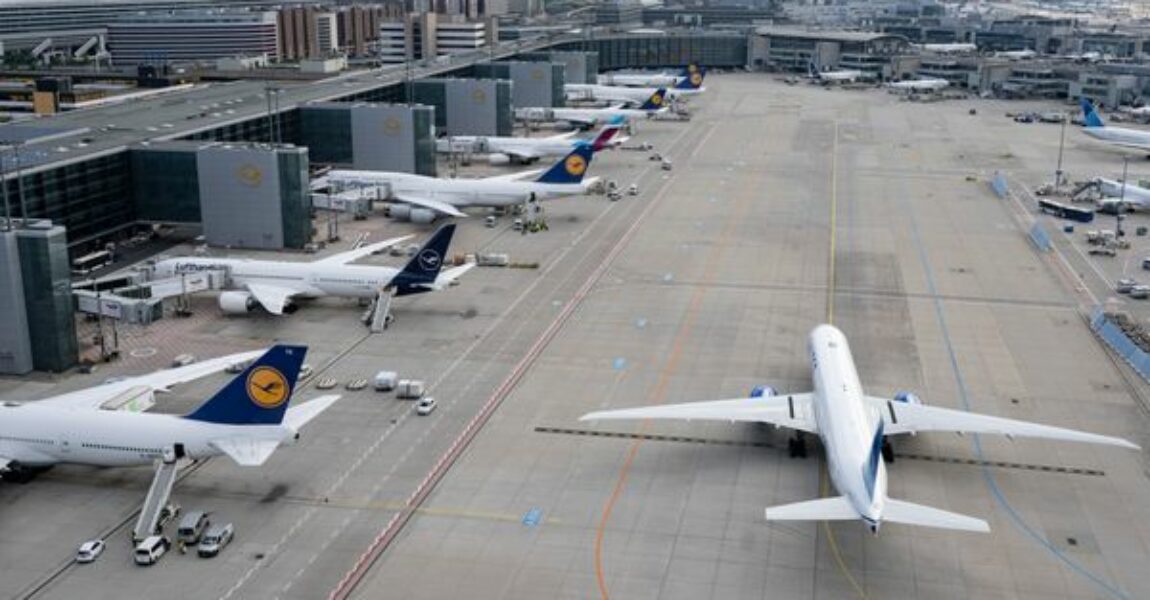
point(797, 446)
point(21, 474)
point(887, 452)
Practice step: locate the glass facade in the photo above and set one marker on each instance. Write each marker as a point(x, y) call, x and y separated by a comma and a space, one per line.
point(46, 273)
point(293, 174)
point(422, 127)
point(665, 51)
point(326, 131)
point(165, 184)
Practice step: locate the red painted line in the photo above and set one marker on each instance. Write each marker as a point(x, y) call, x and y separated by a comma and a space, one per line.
point(357, 573)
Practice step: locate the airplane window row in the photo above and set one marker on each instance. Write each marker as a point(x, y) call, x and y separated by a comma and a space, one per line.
point(10, 438)
point(123, 448)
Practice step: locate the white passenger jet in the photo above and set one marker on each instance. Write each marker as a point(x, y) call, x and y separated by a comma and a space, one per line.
point(586, 118)
point(687, 86)
point(839, 76)
point(275, 285)
point(433, 196)
point(519, 150)
point(1114, 197)
point(246, 420)
point(1118, 136)
point(852, 427)
point(924, 84)
point(690, 72)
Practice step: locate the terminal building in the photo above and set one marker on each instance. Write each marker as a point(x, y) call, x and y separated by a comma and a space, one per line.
point(193, 36)
point(794, 50)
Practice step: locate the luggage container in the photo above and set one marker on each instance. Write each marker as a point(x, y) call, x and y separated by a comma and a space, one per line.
point(409, 389)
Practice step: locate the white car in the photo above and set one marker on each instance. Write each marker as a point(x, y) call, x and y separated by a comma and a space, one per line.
point(89, 551)
point(425, 406)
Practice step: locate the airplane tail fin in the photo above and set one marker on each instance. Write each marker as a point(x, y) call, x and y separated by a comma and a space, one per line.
point(603, 140)
point(897, 511)
point(692, 78)
point(570, 168)
point(655, 102)
point(423, 268)
point(837, 508)
point(1092, 118)
point(259, 395)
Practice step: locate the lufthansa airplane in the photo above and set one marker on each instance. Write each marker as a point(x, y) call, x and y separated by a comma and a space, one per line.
point(852, 427)
point(276, 285)
point(246, 420)
point(503, 150)
point(432, 196)
point(689, 73)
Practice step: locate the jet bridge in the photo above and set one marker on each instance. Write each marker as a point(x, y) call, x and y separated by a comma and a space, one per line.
point(135, 299)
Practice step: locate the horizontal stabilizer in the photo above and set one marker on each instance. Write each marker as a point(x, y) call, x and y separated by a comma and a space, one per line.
point(246, 451)
point(301, 414)
point(823, 509)
point(897, 511)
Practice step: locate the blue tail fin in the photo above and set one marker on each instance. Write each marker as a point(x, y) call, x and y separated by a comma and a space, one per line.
point(259, 395)
point(571, 168)
point(691, 79)
point(871, 473)
point(424, 267)
point(655, 102)
point(1092, 118)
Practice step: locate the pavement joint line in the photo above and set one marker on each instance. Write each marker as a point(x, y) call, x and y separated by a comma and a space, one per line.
point(352, 579)
point(447, 372)
point(964, 398)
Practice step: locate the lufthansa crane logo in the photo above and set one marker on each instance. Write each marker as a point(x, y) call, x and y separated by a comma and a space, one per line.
point(575, 165)
point(657, 99)
point(267, 387)
point(696, 79)
point(537, 74)
point(479, 96)
point(429, 260)
point(391, 126)
point(250, 175)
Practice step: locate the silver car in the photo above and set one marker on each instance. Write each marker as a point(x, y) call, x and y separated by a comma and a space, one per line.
point(214, 540)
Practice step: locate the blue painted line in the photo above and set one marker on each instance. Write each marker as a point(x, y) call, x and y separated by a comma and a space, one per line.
point(640, 323)
point(619, 363)
point(999, 496)
point(533, 517)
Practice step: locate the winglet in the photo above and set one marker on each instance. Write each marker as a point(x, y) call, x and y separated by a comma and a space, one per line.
point(570, 168)
point(259, 395)
point(1092, 118)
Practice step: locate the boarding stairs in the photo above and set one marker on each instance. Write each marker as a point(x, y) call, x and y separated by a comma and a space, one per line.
point(381, 310)
point(158, 494)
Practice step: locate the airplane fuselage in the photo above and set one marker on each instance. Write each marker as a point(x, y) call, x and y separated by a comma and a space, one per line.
point(458, 192)
point(511, 146)
point(639, 79)
point(1120, 136)
point(312, 280)
point(611, 93)
point(846, 424)
point(40, 436)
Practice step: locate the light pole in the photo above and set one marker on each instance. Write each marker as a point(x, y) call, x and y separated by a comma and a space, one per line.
point(1061, 143)
point(4, 189)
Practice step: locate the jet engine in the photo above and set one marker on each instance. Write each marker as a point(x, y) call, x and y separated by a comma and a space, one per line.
point(407, 212)
point(498, 159)
point(237, 303)
point(907, 398)
point(763, 391)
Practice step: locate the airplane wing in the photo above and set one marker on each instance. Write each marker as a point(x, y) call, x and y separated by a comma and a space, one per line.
point(246, 451)
point(350, 256)
point(792, 410)
point(436, 205)
point(92, 398)
point(272, 297)
point(900, 417)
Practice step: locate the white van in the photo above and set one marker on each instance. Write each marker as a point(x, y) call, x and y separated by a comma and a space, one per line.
point(149, 551)
point(385, 381)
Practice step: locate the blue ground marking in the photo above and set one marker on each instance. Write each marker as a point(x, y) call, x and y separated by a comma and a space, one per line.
point(1016, 518)
point(533, 517)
